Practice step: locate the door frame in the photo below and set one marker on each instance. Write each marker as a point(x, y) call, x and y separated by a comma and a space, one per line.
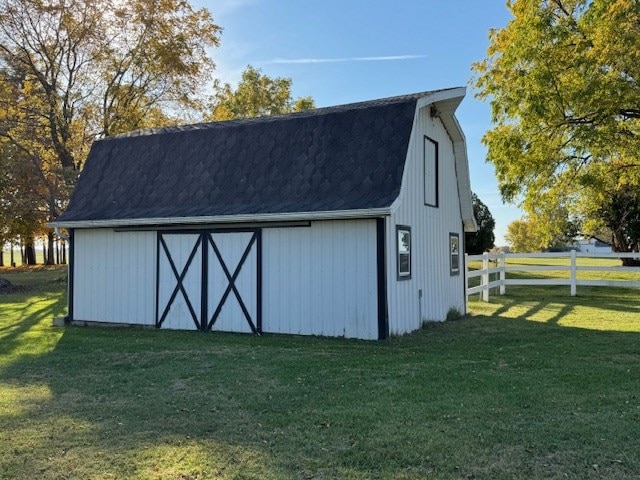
point(205, 240)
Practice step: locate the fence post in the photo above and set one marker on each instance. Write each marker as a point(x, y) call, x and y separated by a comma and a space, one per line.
point(503, 274)
point(573, 273)
point(485, 277)
point(466, 275)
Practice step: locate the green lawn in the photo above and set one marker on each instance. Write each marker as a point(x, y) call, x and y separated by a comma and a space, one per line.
point(533, 385)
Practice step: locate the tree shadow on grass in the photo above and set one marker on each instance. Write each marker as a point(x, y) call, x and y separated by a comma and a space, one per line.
point(27, 317)
point(534, 300)
point(161, 404)
point(534, 308)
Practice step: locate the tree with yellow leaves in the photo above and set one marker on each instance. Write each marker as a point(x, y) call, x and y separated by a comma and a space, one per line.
point(256, 95)
point(75, 70)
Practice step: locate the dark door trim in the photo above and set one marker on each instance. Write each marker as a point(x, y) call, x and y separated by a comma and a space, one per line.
point(232, 282)
point(179, 278)
point(205, 238)
point(383, 315)
point(70, 272)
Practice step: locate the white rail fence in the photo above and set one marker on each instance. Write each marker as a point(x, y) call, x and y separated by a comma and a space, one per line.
point(501, 268)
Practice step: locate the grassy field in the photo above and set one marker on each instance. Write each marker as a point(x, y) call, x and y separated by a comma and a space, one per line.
point(533, 385)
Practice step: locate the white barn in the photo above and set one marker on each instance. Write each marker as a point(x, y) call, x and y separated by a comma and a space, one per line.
point(592, 245)
point(340, 221)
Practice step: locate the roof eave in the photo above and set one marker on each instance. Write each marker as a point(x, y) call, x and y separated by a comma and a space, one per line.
point(226, 219)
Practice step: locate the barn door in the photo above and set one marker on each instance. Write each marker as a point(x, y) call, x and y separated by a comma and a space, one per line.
point(233, 287)
point(209, 280)
point(179, 281)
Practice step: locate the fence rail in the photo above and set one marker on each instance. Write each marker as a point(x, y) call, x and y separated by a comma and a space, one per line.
point(501, 269)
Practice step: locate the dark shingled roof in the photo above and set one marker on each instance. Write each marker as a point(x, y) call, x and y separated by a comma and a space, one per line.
point(348, 157)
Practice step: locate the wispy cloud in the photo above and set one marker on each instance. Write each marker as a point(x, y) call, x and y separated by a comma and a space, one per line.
point(386, 58)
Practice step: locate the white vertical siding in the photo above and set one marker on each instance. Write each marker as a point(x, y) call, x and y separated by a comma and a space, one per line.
point(114, 276)
point(317, 280)
point(430, 228)
point(321, 280)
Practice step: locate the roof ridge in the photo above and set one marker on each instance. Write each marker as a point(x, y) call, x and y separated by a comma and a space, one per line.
point(282, 117)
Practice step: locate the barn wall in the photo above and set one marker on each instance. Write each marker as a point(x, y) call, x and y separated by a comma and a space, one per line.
point(321, 280)
point(114, 276)
point(316, 280)
point(430, 229)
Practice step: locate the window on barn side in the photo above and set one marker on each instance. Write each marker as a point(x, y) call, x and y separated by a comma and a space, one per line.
point(430, 172)
point(403, 236)
point(454, 253)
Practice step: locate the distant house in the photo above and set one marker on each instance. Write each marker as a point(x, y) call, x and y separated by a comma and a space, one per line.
point(340, 221)
point(592, 245)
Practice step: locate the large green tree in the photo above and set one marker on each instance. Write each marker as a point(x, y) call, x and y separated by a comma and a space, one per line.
point(76, 70)
point(563, 79)
point(256, 95)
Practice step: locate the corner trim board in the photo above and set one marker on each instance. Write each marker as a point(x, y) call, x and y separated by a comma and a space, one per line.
point(383, 314)
point(259, 281)
point(71, 268)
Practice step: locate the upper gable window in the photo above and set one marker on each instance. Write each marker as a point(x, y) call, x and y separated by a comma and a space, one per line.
point(430, 172)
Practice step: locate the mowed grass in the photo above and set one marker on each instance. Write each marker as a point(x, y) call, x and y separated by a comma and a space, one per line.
point(533, 385)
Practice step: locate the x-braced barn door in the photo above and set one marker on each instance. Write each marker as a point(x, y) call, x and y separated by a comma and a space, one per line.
point(234, 281)
point(179, 281)
point(209, 280)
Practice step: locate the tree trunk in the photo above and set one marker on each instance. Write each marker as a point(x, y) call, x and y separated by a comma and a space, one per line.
point(1, 256)
point(12, 260)
point(620, 245)
point(50, 260)
point(57, 251)
point(630, 262)
point(22, 252)
point(29, 252)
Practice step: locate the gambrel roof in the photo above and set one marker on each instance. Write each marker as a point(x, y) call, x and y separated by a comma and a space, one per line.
point(348, 158)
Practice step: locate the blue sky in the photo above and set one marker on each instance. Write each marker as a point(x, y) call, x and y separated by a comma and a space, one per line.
point(342, 51)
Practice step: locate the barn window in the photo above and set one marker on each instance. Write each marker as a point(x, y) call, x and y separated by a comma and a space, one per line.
point(430, 172)
point(454, 252)
point(403, 235)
